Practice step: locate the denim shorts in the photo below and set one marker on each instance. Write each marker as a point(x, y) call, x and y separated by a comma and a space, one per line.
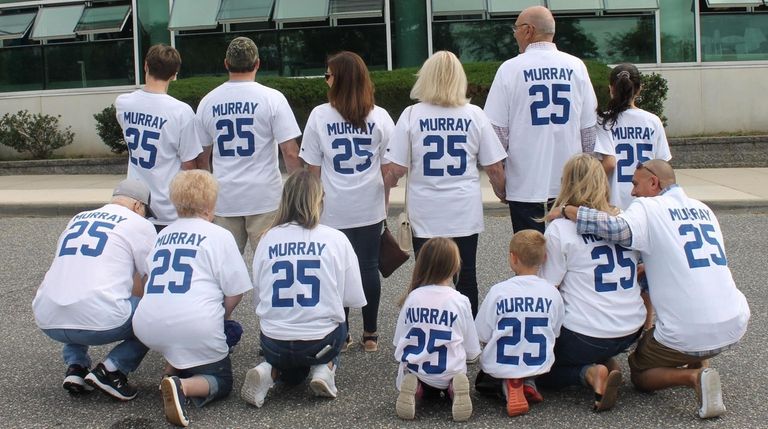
point(219, 377)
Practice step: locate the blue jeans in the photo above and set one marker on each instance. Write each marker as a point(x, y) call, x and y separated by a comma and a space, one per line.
point(219, 377)
point(366, 240)
point(466, 283)
point(126, 356)
point(524, 215)
point(293, 359)
point(575, 353)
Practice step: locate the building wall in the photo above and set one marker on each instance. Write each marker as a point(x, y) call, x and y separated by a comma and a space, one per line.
point(76, 110)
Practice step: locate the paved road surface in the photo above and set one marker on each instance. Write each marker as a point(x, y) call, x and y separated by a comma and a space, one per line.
point(32, 370)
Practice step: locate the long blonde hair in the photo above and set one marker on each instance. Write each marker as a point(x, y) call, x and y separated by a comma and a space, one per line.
point(438, 260)
point(441, 81)
point(302, 200)
point(584, 183)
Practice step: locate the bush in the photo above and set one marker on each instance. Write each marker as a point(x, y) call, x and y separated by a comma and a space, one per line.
point(653, 95)
point(109, 130)
point(37, 134)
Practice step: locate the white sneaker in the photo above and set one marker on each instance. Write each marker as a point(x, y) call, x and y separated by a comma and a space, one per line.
point(257, 383)
point(405, 407)
point(323, 383)
point(710, 394)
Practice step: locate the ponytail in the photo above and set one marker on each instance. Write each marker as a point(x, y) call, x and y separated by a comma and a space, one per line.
point(625, 80)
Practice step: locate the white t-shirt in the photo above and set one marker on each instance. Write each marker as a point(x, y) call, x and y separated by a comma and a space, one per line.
point(159, 131)
point(545, 98)
point(350, 164)
point(90, 280)
point(637, 136)
point(698, 307)
point(193, 266)
point(444, 196)
point(435, 335)
point(303, 279)
point(598, 281)
point(519, 320)
point(245, 121)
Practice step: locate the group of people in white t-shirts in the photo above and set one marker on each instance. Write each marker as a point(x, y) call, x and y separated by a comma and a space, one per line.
point(573, 305)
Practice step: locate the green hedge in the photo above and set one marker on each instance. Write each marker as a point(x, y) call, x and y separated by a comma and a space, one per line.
point(393, 89)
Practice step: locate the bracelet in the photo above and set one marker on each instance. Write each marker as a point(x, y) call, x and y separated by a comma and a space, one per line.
point(562, 211)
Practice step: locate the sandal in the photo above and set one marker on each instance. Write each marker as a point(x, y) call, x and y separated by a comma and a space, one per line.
point(607, 400)
point(347, 343)
point(370, 343)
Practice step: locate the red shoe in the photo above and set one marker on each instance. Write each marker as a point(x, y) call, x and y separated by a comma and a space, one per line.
point(516, 402)
point(532, 395)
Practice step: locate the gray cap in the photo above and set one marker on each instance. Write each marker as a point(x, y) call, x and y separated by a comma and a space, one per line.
point(242, 53)
point(137, 190)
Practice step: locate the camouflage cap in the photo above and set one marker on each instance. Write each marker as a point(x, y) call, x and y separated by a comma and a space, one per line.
point(242, 53)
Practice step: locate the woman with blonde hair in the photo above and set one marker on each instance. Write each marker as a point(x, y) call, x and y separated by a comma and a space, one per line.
point(604, 312)
point(304, 274)
point(439, 142)
point(435, 333)
point(343, 143)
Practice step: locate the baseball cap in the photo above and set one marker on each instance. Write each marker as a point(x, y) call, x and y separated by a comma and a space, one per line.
point(138, 191)
point(242, 53)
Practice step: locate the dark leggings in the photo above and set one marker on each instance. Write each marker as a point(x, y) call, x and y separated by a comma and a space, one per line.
point(524, 215)
point(466, 283)
point(366, 241)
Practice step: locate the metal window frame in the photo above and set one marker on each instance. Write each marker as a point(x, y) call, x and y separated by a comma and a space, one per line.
point(18, 35)
point(252, 18)
point(104, 30)
point(41, 18)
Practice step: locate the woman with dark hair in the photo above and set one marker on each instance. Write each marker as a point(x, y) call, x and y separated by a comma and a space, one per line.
point(627, 132)
point(343, 143)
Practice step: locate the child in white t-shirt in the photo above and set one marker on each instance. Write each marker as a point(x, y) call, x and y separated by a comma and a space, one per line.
point(435, 336)
point(519, 321)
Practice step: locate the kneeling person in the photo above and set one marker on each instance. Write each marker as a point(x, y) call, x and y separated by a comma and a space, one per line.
point(111, 244)
point(197, 279)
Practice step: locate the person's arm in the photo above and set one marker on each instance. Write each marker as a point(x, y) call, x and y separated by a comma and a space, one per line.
point(290, 151)
point(314, 169)
point(591, 221)
point(497, 178)
point(588, 136)
point(230, 302)
point(503, 134)
point(609, 164)
point(392, 172)
point(204, 158)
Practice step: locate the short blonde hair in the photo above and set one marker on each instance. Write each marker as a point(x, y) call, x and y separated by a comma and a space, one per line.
point(193, 193)
point(530, 247)
point(584, 183)
point(302, 200)
point(441, 81)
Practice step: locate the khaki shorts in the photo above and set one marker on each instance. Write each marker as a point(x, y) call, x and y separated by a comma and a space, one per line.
point(246, 228)
point(652, 354)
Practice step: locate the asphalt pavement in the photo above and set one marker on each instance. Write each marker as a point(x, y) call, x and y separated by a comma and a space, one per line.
point(32, 370)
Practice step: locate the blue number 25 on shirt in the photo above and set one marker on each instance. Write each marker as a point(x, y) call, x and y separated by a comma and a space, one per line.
point(552, 94)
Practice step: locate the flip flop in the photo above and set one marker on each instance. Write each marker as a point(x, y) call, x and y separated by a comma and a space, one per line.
point(607, 400)
point(370, 343)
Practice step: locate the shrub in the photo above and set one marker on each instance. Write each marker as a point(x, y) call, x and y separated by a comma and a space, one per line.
point(109, 130)
point(37, 134)
point(653, 94)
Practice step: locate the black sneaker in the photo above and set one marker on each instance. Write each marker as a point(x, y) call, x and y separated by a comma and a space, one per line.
point(174, 401)
point(114, 384)
point(74, 380)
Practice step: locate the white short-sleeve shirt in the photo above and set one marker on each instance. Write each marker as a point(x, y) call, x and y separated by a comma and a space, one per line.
point(637, 136)
point(89, 283)
point(597, 279)
point(193, 266)
point(445, 145)
point(303, 279)
point(698, 307)
point(545, 98)
point(159, 132)
point(350, 164)
point(519, 320)
point(245, 122)
point(435, 335)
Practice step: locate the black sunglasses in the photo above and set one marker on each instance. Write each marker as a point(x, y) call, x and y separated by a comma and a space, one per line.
point(328, 76)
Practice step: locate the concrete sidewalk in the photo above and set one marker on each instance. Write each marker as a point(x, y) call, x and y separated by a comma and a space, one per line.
point(65, 195)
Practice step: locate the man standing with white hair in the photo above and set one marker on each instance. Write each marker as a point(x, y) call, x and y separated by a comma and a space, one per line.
point(543, 108)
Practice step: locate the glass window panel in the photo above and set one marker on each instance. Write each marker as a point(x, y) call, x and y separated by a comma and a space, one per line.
point(194, 14)
point(678, 31)
point(21, 68)
point(458, 7)
point(300, 10)
point(733, 3)
point(631, 5)
point(57, 22)
point(511, 7)
point(357, 8)
point(575, 5)
point(734, 37)
point(15, 26)
point(110, 19)
point(237, 11)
